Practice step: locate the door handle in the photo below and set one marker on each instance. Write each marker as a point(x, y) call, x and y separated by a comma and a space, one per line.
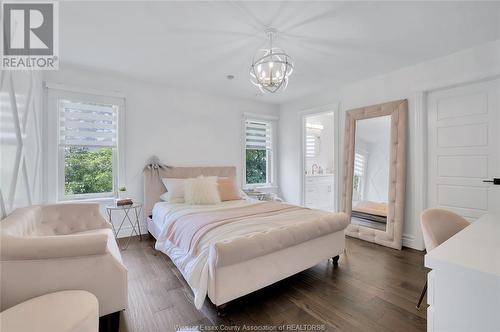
point(494, 181)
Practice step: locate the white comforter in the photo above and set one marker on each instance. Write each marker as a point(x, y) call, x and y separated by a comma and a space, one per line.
point(196, 269)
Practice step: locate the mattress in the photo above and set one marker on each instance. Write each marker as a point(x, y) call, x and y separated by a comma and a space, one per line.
point(164, 211)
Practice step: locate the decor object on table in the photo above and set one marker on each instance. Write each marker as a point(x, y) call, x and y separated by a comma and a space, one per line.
point(123, 201)
point(127, 208)
point(65, 311)
point(271, 67)
point(58, 247)
point(122, 192)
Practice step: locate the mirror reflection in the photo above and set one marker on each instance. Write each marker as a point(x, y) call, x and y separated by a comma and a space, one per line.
point(370, 190)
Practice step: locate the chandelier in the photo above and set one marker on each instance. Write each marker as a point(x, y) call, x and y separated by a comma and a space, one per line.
point(271, 67)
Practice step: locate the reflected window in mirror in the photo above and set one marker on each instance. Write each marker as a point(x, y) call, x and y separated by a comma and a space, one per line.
point(359, 175)
point(371, 172)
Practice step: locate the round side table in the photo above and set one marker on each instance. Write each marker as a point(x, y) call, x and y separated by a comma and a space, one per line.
point(137, 209)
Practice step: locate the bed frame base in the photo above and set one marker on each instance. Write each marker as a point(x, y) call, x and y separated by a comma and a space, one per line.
point(221, 309)
point(263, 271)
point(335, 260)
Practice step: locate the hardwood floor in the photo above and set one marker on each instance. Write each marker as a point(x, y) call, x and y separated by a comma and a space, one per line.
point(373, 289)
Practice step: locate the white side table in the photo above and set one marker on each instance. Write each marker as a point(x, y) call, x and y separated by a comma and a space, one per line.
point(137, 208)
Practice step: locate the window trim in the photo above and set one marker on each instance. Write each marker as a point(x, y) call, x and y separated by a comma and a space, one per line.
point(54, 161)
point(273, 121)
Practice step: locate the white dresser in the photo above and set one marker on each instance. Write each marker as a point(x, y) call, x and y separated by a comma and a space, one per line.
point(464, 284)
point(319, 192)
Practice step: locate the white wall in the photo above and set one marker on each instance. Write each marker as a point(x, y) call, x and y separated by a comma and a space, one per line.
point(183, 128)
point(20, 139)
point(377, 172)
point(465, 66)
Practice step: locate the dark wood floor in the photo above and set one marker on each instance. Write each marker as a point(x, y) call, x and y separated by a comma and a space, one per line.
point(373, 289)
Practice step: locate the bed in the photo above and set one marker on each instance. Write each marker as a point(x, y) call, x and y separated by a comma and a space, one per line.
point(240, 246)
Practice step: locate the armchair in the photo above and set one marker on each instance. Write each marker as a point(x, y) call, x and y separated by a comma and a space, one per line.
point(50, 248)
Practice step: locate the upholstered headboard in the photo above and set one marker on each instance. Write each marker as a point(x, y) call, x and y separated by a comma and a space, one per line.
point(153, 187)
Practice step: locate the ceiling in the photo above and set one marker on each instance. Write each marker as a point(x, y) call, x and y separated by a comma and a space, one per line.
point(195, 45)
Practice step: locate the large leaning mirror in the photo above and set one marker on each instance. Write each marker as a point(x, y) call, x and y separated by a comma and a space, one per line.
point(374, 172)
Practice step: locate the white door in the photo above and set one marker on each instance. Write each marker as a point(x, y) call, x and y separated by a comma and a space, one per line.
point(464, 149)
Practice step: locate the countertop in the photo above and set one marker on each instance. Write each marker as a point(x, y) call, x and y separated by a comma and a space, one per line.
point(476, 247)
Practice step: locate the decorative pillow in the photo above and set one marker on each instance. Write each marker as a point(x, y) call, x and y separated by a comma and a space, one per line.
point(164, 196)
point(201, 190)
point(228, 189)
point(175, 190)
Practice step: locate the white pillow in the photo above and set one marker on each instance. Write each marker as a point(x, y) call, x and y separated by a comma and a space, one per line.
point(175, 190)
point(201, 190)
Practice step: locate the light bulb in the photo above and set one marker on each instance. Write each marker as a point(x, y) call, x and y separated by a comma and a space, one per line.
point(259, 68)
point(271, 65)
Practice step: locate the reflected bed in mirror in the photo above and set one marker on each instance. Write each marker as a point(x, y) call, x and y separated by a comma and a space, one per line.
point(374, 172)
point(370, 181)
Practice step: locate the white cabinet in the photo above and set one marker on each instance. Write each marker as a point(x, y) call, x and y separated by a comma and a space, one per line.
point(464, 285)
point(319, 193)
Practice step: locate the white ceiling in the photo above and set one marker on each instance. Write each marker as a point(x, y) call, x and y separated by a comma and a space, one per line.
point(194, 45)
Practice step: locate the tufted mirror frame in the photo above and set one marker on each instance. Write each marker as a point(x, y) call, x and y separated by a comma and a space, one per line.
point(393, 234)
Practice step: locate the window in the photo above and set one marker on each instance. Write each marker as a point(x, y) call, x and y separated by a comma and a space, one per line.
point(359, 176)
point(258, 152)
point(313, 140)
point(312, 146)
point(85, 154)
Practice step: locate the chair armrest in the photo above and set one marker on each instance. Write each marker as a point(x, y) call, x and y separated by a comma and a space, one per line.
point(57, 246)
point(74, 217)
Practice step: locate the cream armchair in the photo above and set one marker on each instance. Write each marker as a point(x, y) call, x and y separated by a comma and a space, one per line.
point(50, 248)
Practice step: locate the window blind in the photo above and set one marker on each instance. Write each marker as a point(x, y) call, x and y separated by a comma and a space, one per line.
point(258, 135)
point(87, 124)
point(359, 164)
point(312, 145)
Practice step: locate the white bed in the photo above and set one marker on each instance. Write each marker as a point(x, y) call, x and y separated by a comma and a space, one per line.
point(240, 257)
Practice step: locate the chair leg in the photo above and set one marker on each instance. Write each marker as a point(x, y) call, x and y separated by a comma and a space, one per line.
point(422, 295)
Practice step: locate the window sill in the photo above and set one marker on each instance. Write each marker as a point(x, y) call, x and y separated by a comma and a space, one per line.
point(88, 200)
point(258, 187)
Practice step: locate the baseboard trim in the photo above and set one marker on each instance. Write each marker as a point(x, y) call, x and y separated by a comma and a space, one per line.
point(410, 242)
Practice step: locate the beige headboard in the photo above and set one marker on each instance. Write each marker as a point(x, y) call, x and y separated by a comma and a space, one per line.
point(153, 187)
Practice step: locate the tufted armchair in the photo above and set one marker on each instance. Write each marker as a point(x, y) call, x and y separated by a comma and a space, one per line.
point(50, 248)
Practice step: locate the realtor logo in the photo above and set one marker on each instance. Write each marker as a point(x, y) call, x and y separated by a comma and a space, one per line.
point(30, 36)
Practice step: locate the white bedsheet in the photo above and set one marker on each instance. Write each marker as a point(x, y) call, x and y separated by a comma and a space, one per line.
point(196, 269)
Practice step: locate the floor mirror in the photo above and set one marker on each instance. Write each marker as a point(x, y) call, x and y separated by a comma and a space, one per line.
point(375, 172)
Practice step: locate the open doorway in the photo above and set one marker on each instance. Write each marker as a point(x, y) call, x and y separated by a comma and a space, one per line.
point(319, 162)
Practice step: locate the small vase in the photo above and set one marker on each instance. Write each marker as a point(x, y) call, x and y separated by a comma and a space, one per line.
point(122, 194)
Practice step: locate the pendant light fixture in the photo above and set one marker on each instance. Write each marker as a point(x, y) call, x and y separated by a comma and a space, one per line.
point(271, 67)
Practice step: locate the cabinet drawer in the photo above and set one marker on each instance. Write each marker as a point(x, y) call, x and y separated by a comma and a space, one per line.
point(319, 179)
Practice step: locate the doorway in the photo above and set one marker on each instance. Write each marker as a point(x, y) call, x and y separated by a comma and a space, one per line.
point(319, 162)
